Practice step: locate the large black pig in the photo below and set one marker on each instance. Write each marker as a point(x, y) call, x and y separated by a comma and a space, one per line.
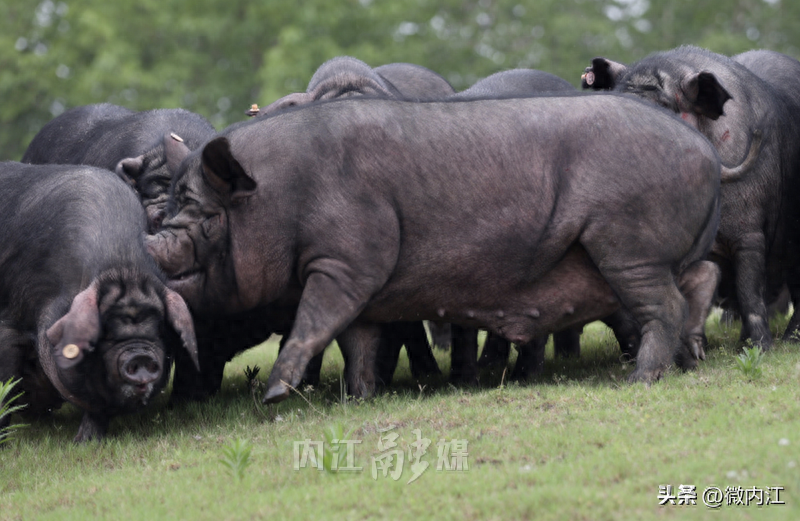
point(84, 312)
point(758, 130)
point(522, 216)
point(143, 148)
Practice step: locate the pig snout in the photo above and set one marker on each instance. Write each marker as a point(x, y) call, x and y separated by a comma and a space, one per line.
point(155, 217)
point(139, 369)
point(168, 251)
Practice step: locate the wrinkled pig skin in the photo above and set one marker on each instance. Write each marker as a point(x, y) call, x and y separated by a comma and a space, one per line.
point(143, 148)
point(84, 313)
point(335, 200)
point(749, 108)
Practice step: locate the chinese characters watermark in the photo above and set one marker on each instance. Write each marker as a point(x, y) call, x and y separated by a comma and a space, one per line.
point(451, 455)
point(716, 497)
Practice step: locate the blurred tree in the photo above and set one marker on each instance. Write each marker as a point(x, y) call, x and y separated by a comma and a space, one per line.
point(217, 57)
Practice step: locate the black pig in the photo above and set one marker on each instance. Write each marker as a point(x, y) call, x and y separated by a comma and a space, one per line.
point(84, 313)
point(758, 130)
point(523, 216)
point(143, 148)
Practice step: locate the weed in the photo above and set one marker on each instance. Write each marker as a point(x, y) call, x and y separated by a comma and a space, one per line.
point(7, 409)
point(251, 375)
point(749, 362)
point(334, 456)
point(236, 457)
point(256, 390)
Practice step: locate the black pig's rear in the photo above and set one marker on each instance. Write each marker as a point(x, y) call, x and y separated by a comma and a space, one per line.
point(85, 315)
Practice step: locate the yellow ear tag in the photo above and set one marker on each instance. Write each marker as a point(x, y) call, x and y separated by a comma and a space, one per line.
point(71, 351)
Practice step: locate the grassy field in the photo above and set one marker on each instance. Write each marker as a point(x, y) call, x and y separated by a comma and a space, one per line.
point(579, 443)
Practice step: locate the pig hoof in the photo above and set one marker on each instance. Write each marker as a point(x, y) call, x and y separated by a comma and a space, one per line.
point(92, 428)
point(791, 335)
point(276, 393)
point(645, 376)
point(696, 348)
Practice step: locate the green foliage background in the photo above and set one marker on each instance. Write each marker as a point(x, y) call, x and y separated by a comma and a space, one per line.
point(216, 57)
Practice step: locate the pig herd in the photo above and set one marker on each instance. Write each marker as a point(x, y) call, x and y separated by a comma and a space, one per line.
point(380, 198)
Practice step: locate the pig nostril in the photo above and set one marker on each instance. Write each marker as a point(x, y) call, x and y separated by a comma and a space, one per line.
point(141, 370)
point(158, 220)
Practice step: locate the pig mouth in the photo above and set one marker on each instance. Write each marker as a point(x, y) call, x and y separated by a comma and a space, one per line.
point(184, 279)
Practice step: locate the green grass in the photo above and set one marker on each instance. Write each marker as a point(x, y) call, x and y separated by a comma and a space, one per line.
point(580, 443)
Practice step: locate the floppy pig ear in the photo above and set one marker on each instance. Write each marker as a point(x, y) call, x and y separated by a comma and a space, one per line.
point(129, 169)
point(222, 171)
point(180, 319)
point(602, 74)
point(73, 334)
point(175, 150)
point(290, 100)
point(704, 93)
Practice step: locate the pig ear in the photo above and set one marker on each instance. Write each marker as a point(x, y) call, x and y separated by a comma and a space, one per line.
point(180, 319)
point(602, 74)
point(705, 94)
point(73, 334)
point(223, 172)
point(290, 100)
point(129, 169)
point(175, 150)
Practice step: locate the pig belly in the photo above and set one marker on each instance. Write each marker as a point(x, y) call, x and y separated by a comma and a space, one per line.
point(572, 293)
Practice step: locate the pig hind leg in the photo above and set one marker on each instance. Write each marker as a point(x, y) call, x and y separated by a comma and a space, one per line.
point(698, 284)
point(651, 296)
point(749, 265)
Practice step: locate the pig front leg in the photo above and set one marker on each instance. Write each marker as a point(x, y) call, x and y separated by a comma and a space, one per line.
point(418, 349)
point(420, 356)
point(191, 385)
point(567, 343)
point(495, 352)
point(464, 356)
point(326, 308)
point(93, 426)
point(530, 359)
